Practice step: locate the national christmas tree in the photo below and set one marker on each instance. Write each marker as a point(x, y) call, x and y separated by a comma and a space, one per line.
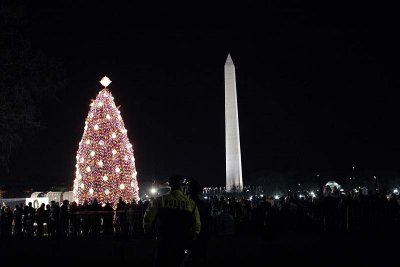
point(105, 167)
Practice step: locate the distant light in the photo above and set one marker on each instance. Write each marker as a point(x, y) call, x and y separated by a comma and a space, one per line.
point(374, 177)
point(396, 191)
point(105, 81)
point(261, 195)
point(205, 197)
point(153, 190)
point(301, 196)
point(276, 197)
point(312, 194)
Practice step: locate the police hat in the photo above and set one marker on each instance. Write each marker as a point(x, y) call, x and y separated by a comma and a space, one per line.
point(175, 181)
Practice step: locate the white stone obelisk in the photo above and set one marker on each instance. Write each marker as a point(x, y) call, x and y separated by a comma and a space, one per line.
point(234, 181)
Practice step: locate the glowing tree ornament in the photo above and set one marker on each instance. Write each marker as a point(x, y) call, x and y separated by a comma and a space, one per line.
point(102, 170)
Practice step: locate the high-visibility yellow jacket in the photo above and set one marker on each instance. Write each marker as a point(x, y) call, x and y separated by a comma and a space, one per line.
point(176, 213)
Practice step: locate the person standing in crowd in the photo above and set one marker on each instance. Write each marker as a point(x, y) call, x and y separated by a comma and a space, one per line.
point(121, 216)
point(108, 217)
point(47, 217)
point(53, 218)
point(130, 217)
point(179, 223)
point(64, 218)
point(40, 218)
point(225, 223)
point(200, 245)
point(95, 217)
point(29, 213)
point(6, 221)
point(73, 209)
point(18, 220)
point(84, 218)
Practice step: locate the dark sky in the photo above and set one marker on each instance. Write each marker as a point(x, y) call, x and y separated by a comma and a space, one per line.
point(318, 86)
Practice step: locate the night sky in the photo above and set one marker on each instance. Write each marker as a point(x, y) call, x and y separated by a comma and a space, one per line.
point(318, 86)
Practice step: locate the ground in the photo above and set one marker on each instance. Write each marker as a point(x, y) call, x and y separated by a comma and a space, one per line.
point(245, 250)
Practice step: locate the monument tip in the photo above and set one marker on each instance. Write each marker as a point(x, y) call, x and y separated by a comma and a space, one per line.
point(228, 59)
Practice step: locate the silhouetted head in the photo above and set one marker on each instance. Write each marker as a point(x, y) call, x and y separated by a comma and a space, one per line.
point(195, 187)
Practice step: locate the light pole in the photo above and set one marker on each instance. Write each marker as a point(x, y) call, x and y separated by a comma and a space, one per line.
point(377, 183)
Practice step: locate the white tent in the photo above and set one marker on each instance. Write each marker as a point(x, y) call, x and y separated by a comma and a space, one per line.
point(332, 184)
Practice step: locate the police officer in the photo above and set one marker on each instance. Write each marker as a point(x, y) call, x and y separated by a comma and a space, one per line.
point(179, 223)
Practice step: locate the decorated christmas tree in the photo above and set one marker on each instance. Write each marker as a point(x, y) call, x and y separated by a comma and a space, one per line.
point(105, 167)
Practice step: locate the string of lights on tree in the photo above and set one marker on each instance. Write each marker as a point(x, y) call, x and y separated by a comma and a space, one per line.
point(105, 167)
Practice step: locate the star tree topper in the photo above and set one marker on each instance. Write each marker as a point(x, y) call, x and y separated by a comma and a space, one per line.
point(105, 81)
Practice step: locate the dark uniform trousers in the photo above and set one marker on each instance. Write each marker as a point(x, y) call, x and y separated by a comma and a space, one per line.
point(178, 221)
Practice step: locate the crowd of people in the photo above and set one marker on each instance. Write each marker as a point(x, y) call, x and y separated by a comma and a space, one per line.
point(328, 210)
point(73, 220)
point(223, 214)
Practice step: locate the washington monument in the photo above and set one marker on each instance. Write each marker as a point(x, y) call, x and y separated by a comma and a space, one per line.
point(234, 181)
